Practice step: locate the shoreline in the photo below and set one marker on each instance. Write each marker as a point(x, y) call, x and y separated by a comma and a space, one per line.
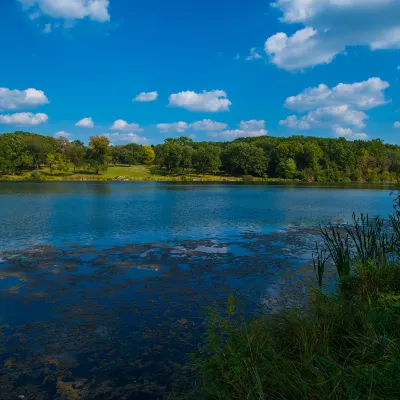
point(197, 180)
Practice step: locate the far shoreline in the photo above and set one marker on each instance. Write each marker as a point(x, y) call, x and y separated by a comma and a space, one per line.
point(223, 181)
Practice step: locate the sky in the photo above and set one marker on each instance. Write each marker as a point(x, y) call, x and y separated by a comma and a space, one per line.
point(142, 71)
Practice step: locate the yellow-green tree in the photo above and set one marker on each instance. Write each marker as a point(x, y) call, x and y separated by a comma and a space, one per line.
point(148, 155)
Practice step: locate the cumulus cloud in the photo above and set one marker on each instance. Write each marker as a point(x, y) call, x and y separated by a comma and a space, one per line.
point(254, 55)
point(213, 101)
point(325, 117)
point(208, 125)
point(25, 118)
point(361, 95)
point(146, 97)
point(250, 128)
point(62, 134)
point(130, 137)
point(85, 123)
point(348, 133)
point(121, 125)
point(397, 125)
point(340, 108)
point(17, 99)
point(331, 26)
point(180, 127)
point(96, 10)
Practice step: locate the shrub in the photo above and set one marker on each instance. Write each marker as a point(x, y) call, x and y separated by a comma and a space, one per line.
point(35, 175)
point(248, 178)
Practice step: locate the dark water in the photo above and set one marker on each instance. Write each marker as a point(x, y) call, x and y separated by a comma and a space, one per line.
point(103, 287)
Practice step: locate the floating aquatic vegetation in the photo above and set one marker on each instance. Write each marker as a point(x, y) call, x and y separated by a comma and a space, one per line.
point(89, 322)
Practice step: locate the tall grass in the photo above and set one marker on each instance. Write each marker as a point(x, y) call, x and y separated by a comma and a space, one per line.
point(343, 346)
point(364, 242)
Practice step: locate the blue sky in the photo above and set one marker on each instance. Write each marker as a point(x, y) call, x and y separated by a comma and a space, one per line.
point(318, 67)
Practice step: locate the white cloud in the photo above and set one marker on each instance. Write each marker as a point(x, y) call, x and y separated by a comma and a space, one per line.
point(47, 28)
point(121, 125)
point(180, 127)
point(340, 108)
point(85, 123)
point(252, 128)
point(294, 122)
point(396, 125)
point(130, 137)
point(17, 99)
point(329, 27)
point(96, 10)
point(348, 133)
point(146, 97)
point(252, 125)
point(398, 68)
point(24, 118)
point(237, 57)
point(254, 55)
point(326, 116)
point(213, 101)
point(362, 95)
point(62, 134)
point(208, 125)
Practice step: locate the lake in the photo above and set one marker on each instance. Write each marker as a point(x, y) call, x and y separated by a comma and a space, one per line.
point(104, 287)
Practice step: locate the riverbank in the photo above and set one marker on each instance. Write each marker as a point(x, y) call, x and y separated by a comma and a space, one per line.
point(135, 173)
point(144, 173)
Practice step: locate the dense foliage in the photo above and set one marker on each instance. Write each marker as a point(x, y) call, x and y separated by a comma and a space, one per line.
point(342, 346)
point(296, 157)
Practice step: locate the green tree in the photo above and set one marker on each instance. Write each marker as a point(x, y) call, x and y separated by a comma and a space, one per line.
point(99, 153)
point(133, 154)
point(207, 158)
point(187, 157)
point(38, 147)
point(58, 162)
point(244, 158)
point(287, 169)
point(75, 153)
point(14, 156)
point(312, 155)
point(170, 156)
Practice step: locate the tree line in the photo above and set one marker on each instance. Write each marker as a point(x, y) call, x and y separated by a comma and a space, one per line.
point(24, 151)
point(296, 157)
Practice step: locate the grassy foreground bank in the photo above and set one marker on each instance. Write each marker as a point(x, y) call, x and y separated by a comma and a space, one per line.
point(344, 345)
point(126, 173)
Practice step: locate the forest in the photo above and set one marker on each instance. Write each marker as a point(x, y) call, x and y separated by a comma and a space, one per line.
point(292, 158)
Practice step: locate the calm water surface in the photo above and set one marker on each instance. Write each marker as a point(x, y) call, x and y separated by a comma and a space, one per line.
point(107, 214)
point(104, 287)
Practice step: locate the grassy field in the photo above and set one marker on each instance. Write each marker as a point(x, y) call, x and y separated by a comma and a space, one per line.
point(120, 173)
